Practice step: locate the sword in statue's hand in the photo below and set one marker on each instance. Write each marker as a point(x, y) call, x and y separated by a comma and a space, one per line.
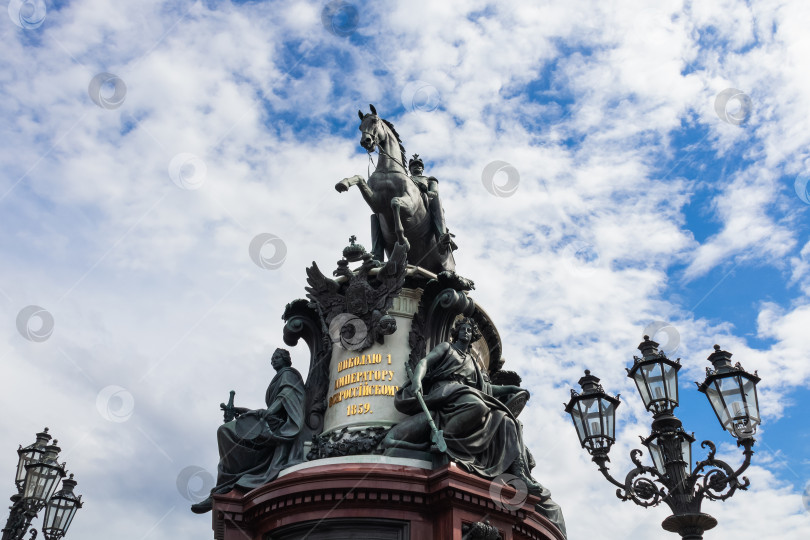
point(229, 410)
point(437, 435)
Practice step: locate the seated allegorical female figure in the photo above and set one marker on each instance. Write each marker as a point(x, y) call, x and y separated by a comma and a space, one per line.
point(482, 434)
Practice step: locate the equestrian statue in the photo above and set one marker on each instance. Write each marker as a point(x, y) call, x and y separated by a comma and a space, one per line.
point(403, 206)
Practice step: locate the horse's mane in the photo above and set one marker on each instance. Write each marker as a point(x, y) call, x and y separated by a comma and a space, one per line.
point(401, 146)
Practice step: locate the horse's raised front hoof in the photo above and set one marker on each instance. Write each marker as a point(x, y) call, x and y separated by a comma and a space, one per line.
point(342, 186)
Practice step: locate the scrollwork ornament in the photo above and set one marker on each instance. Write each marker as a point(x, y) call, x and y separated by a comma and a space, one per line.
point(19, 521)
point(716, 481)
point(304, 320)
point(722, 481)
point(641, 490)
point(712, 450)
point(645, 490)
point(635, 454)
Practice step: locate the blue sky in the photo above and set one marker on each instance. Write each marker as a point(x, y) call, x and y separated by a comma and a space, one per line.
point(639, 201)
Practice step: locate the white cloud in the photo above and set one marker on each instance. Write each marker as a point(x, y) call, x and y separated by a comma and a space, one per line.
point(748, 231)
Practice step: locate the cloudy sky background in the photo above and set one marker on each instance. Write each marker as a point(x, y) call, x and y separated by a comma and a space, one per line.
point(641, 200)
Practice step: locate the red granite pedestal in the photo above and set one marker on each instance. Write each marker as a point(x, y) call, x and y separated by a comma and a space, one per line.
point(376, 501)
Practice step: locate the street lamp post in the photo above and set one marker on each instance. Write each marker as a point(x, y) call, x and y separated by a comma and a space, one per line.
point(732, 394)
point(38, 476)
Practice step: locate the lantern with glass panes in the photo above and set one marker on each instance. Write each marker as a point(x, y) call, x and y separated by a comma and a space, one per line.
point(37, 478)
point(733, 396)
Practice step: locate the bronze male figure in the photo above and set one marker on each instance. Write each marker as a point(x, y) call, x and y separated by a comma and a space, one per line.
point(258, 444)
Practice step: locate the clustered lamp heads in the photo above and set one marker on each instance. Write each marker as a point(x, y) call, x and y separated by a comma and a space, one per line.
point(594, 416)
point(732, 393)
point(656, 377)
point(733, 396)
point(38, 476)
point(28, 455)
point(60, 510)
point(42, 477)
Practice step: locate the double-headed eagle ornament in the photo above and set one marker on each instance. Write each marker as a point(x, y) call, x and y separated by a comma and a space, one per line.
point(355, 305)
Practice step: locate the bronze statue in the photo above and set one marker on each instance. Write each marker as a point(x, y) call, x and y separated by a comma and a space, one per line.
point(359, 304)
point(400, 213)
point(429, 186)
point(480, 432)
point(258, 444)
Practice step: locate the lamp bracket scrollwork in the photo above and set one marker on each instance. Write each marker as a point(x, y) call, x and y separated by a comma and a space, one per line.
point(712, 478)
point(636, 487)
point(720, 483)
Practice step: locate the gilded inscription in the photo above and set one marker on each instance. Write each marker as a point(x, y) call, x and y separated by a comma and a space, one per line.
point(363, 383)
point(363, 360)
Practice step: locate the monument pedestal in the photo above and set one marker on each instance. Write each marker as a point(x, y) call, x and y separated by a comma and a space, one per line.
point(378, 498)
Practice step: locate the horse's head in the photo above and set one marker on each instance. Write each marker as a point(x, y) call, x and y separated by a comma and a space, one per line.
point(380, 134)
point(372, 129)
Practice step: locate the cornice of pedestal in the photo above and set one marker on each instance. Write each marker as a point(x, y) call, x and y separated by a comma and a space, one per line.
point(343, 490)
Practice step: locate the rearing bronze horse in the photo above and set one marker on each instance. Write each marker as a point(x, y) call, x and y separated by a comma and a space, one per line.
point(400, 209)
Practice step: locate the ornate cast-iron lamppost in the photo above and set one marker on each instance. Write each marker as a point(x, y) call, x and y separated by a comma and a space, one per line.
point(38, 475)
point(733, 396)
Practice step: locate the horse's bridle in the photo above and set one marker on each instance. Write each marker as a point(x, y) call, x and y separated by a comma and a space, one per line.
point(376, 143)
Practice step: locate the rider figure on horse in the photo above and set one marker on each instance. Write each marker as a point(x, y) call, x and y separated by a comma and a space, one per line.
point(402, 212)
point(429, 187)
